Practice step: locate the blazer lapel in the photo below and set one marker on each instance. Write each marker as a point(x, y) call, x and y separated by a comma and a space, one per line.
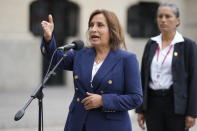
point(88, 61)
point(153, 49)
point(178, 48)
point(105, 68)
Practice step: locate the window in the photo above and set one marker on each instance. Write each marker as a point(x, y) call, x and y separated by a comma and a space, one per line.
point(141, 20)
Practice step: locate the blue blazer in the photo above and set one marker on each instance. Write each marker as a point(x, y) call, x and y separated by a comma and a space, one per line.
point(117, 80)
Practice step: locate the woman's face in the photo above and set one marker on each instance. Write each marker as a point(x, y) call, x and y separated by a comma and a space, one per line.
point(166, 19)
point(99, 31)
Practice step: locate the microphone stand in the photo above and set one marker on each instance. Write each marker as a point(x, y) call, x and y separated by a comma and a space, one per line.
point(39, 95)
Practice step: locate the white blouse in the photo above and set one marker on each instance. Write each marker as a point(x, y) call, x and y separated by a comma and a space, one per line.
point(161, 71)
point(96, 68)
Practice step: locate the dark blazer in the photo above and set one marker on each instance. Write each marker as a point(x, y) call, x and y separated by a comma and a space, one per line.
point(184, 72)
point(117, 80)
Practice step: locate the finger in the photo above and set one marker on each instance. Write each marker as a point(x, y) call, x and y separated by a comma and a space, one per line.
point(50, 19)
point(88, 102)
point(88, 107)
point(141, 124)
point(44, 23)
point(143, 127)
point(89, 94)
point(187, 124)
point(85, 99)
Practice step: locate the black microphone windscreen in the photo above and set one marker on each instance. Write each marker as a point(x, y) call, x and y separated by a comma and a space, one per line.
point(19, 114)
point(78, 44)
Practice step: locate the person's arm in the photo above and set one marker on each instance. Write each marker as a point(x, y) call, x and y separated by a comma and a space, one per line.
point(48, 49)
point(143, 69)
point(133, 92)
point(139, 110)
point(48, 46)
point(192, 97)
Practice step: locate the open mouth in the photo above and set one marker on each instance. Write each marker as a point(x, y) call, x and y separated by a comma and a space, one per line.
point(95, 37)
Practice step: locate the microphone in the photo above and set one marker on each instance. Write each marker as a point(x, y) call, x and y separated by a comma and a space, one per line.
point(76, 45)
point(19, 114)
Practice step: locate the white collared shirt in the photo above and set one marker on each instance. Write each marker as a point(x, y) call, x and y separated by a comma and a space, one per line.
point(161, 74)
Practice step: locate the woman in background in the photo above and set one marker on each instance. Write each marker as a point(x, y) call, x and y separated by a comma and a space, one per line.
point(169, 77)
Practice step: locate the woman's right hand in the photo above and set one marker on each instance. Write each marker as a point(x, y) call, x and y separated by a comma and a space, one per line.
point(48, 27)
point(141, 120)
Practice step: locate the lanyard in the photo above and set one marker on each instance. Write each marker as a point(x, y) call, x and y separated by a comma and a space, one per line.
point(158, 50)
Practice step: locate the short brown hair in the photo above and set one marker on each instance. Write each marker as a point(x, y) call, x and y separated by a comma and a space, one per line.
point(116, 34)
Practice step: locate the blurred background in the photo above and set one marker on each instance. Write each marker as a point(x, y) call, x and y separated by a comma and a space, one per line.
point(22, 66)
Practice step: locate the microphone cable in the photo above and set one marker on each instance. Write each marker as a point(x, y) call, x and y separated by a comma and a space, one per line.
point(49, 67)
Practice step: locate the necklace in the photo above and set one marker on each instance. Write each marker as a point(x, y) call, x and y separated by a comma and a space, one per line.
point(99, 59)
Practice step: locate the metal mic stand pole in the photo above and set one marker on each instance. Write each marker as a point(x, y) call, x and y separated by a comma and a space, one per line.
point(39, 95)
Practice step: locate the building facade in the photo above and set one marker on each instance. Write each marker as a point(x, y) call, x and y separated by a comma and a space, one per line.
point(21, 59)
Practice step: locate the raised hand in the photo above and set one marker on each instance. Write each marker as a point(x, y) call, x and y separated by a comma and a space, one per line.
point(48, 27)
